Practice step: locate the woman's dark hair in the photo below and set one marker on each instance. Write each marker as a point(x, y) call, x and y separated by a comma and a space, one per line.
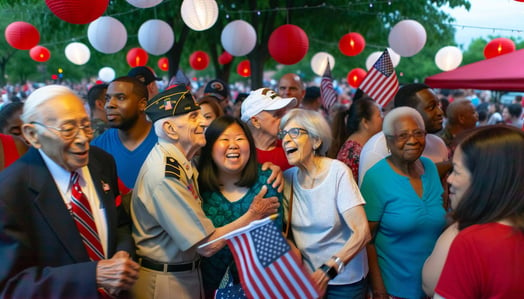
point(7, 111)
point(494, 156)
point(347, 122)
point(207, 168)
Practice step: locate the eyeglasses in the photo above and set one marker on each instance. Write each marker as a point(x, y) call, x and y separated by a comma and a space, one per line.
point(405, 136)
point(68, 131)
point(293, 133)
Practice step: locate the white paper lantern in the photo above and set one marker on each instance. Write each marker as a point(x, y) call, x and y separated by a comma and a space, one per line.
point(144, 3)
point(156, 37)
point(106, 74)
point(373, 57)
point(319, 62)
point(407, 38)
point(77, 53)
point(448, 58)
point(238, 38)
point(107, 35)
point(199, 14)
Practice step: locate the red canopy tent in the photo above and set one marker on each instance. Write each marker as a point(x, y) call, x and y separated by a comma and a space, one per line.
point(505, 72)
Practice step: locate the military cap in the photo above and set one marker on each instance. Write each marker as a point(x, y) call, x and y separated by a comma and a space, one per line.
point(175, 100)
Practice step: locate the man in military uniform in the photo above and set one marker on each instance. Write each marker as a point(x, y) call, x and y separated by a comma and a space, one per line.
point(168, 221)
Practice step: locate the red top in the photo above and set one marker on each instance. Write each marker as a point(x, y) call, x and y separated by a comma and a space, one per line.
point(10, 151)
point(275, 156)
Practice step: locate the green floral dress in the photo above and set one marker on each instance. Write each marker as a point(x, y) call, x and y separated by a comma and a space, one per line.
point(221, 211)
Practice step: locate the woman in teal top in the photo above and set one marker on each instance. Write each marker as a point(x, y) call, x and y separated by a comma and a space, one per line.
point(230, 177)
point(403, 197)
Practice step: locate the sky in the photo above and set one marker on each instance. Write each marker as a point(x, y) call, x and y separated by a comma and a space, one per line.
point(501, 18)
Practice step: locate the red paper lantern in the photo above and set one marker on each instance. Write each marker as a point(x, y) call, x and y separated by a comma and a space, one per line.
point(225, 58)
point(137, 57)
point(77, 11)
point(40, 54)
point(163, 64)
point(352, 44)
point(355, 77)
point(499, 46)
point(288, 44)
point(199, 60)
point(22, 35)
point(244, 68)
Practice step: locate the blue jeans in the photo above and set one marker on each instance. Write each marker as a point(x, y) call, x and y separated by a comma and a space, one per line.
point(355, 290)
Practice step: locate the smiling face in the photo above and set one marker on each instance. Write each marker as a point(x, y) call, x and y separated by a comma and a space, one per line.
point(300, 149)
point(231, 150)
point(459, 179)
point(430, 110)
point(189, 129)
point(62, 111)
point(208, 113)
point(410, 149)
point(123, 107)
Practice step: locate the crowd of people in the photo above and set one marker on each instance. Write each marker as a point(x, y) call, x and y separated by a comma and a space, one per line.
point(126, 190)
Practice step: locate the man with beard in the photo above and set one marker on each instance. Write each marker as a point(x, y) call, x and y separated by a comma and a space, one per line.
point(131, 136)
point(425, 101)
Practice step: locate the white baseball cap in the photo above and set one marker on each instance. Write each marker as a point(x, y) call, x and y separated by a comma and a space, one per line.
point(263, 99)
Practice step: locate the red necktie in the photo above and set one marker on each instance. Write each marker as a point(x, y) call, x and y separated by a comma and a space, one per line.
point(81, 211)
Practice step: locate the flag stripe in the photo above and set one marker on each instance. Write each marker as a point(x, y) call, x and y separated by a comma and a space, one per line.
point(328, 95)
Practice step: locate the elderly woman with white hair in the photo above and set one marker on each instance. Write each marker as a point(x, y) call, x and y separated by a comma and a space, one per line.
point(404, 208)
point(325, 208)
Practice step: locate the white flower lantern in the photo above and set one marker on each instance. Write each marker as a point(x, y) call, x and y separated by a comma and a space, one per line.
point(448, 58)
point(319, 62)
point(107, 35)
point(77, 53)
point(407, 38)
point(106, 74)
point(156, 37)
point(238, 38)
point(199, 15)
point(144, 3)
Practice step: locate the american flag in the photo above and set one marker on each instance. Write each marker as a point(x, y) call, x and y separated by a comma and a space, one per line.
point(327, 93)
point(381, 82)
point(266, 265)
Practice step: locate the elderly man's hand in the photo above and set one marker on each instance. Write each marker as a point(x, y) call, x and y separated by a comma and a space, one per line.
point(263, 207)
point(276, 177)
point(117, 274)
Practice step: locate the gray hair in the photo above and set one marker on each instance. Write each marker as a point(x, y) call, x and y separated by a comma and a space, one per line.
point(41, 96)
point(394, 115)
point(314, 123)
point(159, 130)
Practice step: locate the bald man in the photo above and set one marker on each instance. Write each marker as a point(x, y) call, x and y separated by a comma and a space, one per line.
point(462, 116)
point(291, 86)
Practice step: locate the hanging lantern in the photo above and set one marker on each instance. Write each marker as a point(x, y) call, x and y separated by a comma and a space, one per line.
point(498, 46)
point(163, 64)
point(352, 44)
point(407, 38)
point(22, 35)
point(288, 44)
point(238, 38)
point(199, 60)
point(199, 15)
point(448, 58)
point(39, 53)
point(225, 58)
point(137, 57)
point(107, 35)
point(319, 62)
point(106, 74)
point(156, 37)
point(77, 53)
point(244, 68)
point(77, 11)
point(144, 3)
point(355, 77)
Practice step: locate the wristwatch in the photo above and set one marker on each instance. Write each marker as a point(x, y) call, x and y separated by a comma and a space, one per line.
point(330, 271)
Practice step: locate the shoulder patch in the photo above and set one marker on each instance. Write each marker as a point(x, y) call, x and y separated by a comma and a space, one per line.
point(172, 168)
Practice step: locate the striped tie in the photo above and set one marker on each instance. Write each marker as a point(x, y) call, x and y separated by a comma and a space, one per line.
point(81, 211)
